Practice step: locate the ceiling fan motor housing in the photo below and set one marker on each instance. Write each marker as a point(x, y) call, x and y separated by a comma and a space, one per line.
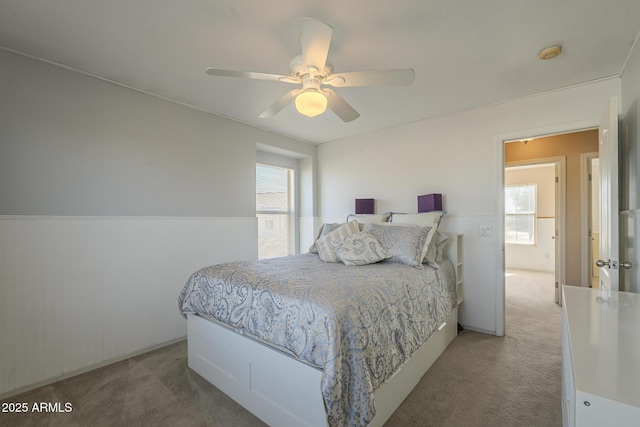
point(299, 70)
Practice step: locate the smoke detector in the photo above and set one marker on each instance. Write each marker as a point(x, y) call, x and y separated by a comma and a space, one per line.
point(550, 52)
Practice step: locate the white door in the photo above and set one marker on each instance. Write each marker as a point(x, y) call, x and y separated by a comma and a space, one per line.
point(609, 211)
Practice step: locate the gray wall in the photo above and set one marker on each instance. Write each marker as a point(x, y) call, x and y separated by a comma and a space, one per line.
point(630, 172)
point(630, 138)
point(75, 145)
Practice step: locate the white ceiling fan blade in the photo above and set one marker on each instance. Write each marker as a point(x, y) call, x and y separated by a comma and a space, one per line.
point(339, 106)
point(315, 38)
point(403, 77)
point(251, 75)
point(277, 106)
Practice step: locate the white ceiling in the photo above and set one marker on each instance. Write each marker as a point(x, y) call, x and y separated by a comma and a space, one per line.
point(466, 53)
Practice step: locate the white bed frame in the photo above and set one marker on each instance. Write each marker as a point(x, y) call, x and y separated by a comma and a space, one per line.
point(283, 391)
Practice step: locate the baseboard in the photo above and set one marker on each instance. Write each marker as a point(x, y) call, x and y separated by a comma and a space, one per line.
point(480, 330)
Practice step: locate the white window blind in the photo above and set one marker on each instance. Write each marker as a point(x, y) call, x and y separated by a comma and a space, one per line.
point(274, 202)
point(520, 214)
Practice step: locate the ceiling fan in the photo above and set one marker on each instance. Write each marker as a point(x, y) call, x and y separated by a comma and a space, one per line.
point(314, 74)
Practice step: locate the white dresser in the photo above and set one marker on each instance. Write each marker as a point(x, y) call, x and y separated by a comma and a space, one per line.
point(600, 358)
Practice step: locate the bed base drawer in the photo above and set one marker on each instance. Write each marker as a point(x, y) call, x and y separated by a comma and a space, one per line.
point(276, 388)
point(283, 391)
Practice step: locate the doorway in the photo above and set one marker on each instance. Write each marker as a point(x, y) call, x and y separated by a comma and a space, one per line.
point(569, 143)
point(534, 217)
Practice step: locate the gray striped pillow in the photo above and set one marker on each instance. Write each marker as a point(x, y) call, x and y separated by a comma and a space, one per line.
point(326, 250)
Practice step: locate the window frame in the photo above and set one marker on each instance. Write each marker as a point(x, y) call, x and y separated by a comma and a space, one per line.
point(533, 214)
point(291, 165)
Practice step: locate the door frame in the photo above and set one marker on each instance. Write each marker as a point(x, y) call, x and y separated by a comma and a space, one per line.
point(608, 149)
point(585, 187)
point(499, 191)
point(560, 163)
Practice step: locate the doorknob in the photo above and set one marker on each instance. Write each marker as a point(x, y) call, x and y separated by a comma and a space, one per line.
point(625, 264)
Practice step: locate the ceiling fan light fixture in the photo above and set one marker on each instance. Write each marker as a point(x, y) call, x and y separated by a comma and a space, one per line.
point(312, 71)
point(311, 103)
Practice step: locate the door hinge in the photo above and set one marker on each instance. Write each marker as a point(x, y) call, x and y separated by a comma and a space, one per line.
point(557, 180)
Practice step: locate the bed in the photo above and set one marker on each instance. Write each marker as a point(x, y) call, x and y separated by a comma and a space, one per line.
point(301, 341)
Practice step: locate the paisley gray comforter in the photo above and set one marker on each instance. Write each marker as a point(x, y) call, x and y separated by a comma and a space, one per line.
point(359, 324)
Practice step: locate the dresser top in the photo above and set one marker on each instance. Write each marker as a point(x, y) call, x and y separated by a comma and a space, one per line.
point(604, 337)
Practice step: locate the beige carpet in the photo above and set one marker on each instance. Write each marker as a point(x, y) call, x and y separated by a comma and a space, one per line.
point(480, 380)
point(483, 380)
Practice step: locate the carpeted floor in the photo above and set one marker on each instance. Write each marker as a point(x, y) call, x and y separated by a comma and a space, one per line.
point(483, 380)
point(480, 380)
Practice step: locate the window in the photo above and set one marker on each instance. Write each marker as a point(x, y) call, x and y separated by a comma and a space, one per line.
point(520, 214)
point(274, 209)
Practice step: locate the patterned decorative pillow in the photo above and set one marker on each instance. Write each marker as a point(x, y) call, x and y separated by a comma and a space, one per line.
point(405, 242)
point(424, 219)
point(325, 248)
point(360, 248)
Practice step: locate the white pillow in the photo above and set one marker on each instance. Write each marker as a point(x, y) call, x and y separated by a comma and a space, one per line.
point(360, 248)
point(369, 218)
point(441, 240)
point(424, 219)
point(325, 248)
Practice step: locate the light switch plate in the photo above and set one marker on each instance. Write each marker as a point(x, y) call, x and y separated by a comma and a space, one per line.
point(485, 230)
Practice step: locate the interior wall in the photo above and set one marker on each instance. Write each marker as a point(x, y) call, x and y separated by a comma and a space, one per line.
point(458, 155)
point(541, 255)
point(570, 146)
point(109, 200)
point(75, 145)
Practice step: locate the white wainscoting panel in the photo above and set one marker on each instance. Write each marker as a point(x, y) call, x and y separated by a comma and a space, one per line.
point(541, 256)
point(77, 292)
